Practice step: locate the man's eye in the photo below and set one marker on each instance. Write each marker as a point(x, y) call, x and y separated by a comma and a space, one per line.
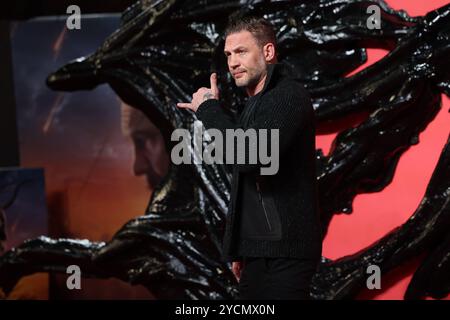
point(139, 142)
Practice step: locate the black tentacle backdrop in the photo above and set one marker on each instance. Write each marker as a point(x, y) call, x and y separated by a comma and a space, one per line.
point(161, 53)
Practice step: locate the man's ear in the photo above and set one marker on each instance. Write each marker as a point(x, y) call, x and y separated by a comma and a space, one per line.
point(269, 52)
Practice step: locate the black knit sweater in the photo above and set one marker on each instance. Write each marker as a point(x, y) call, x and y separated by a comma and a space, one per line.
point(290, 225)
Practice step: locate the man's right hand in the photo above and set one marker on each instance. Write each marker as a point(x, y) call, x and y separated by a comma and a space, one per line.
point(237, 268)
point(202, 95)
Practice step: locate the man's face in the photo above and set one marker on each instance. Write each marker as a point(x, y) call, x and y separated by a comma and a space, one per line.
point(150, 156)
point(246, 60)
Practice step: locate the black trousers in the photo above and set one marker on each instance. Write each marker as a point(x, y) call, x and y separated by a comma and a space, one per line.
point(276, 278)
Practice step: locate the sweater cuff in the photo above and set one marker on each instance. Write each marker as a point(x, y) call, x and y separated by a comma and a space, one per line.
point(207, 107)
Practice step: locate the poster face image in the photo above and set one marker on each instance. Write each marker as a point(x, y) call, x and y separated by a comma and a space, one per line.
point(102, 158)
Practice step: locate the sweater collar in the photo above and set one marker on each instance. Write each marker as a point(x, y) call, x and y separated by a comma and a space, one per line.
point(274, 70)
point(270, 70)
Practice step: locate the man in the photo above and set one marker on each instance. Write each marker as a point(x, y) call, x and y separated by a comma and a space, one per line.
point(150, 155)
point(272, 231)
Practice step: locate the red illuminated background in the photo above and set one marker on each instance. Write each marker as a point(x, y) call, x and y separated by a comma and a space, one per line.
point(376, 214)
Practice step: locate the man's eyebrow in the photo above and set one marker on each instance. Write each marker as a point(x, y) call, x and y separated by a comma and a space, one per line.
point(237, 48)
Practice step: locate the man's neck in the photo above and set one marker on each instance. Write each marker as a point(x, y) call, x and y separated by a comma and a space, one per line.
point(257, 89)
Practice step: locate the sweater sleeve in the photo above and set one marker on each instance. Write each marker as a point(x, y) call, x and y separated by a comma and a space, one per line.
point(213, 115)
point(286, 109)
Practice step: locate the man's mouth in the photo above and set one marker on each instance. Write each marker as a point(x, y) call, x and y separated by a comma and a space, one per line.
point(238, 74)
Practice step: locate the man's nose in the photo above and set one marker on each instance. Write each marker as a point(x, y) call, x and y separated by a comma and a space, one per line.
point(140, 165)
point(233, 62)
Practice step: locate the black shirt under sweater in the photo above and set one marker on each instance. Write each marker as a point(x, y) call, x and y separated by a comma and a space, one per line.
point(249, 205)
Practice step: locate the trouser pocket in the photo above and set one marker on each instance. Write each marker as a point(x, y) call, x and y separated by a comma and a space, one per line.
point(270, 211)
point(259, 216)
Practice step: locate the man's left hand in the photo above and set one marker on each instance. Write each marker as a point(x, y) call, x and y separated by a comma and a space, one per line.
point(202, 95)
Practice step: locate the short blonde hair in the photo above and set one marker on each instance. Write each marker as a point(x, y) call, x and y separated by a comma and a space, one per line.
point(259, 27)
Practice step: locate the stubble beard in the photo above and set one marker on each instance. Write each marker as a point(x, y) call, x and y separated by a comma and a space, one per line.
point(248, 79)
point(251, 77)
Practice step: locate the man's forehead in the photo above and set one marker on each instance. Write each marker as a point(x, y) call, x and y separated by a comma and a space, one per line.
point(242, 39)
point(133, 121)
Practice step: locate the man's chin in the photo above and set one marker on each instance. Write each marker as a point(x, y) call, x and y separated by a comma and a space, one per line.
point(152, 181)
point(240, 84)
point(150, 185)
